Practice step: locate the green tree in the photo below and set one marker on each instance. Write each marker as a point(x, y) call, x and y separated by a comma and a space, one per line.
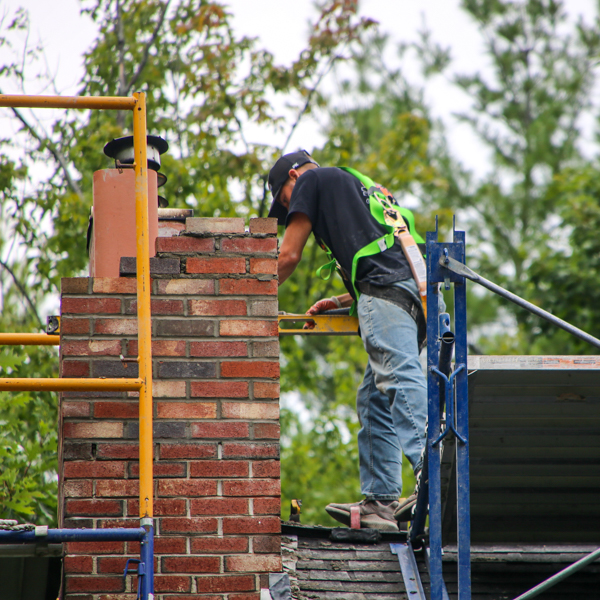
point(204, 86)
point(527, 110)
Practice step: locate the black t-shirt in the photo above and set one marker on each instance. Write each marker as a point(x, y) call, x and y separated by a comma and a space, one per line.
point(336, 203)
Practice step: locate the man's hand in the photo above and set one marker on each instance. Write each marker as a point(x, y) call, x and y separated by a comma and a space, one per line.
point(321, 306)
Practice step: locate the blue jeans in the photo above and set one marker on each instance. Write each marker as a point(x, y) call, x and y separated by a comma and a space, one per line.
point(392, 399)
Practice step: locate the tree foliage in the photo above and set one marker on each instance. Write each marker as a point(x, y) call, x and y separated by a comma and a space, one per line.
point(531, 221)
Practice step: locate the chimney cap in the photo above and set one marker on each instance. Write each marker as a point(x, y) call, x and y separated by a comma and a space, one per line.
point(121, 149)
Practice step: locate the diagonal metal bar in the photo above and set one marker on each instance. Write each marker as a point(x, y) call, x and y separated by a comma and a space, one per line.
point(461, 269)
point(551, 581)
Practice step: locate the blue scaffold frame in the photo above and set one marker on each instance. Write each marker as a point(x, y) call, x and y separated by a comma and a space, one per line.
point(144, 535)
point(451, 390)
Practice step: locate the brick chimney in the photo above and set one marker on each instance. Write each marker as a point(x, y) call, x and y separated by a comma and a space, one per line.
point(216, 417)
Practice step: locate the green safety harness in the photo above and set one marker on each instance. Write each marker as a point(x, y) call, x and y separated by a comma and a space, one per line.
point(377, 194)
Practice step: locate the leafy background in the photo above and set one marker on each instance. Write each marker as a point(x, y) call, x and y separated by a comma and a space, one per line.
point(531, 220)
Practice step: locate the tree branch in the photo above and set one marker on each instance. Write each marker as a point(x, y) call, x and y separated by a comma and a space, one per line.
point(23, 291)
point(308, 99)
point(60, 159)
point(147, 47)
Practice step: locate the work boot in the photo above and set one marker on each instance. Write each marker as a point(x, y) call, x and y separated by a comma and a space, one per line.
point(404, 509)
point(373, 514)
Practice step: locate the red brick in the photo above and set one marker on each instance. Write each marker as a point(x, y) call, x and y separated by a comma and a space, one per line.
point(263, 265)
point(90, 306)
point(93, 548)
point(249, 245)
point(250, 368)
point(214, 225)
point(115, 326)
point(242, 583)
point(188, 451)
point(217, 307)
point(266, 544)
point(249, 328)
point(253, 564)
point(117, 451)
point(168, 389)
point(74, 368)
point(219, 389)
point(266, 431)
point(70, 325)
point(182, 244)
point(249, 450)
point(94, 469)
point(75, 409)
point(238, 596)
point(94, 584)
point(77, 564)
point(117, 523)
point(172, 583)
point(161, 469)
point(114, 285)
point(266, 468)
point(250, 410)
point(248, 287)
point(266, 390)
point(264, 308)
point(74, 285)
point(157, 307)
point(169, 229)
point(184, 287)
point(263, 225)
point(210, 349)
point(77, 489)
point(112, 564)
point(252, 487)
point(163, 507)
point(128, 487)
point(160, 348)
point(265, 348)
point(191, 564)
point(166, 545)
point(116, 410)
point(186, 410)
point(267, 506)
point(219, 468)
point(221, 430)
point(188, 525)
point(212, 544)
point(93, 430)
point(219, 506)
point(203, 597)
point(91, 347)
point(261, 525)
point(96, 508)
point(187, 487)
point(215, 265)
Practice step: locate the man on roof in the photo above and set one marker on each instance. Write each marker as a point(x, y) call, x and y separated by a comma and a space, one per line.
point(333, 204)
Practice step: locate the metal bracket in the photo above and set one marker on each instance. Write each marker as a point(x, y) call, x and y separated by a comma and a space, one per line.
point(450, 425)
point(410, 571)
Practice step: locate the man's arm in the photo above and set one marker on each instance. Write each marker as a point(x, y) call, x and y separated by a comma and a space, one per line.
point(294, 240)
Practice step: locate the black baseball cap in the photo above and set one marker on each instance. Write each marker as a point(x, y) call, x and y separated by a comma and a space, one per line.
point(279, 174)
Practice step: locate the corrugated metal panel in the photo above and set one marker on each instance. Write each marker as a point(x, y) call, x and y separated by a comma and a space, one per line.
point(535, 451)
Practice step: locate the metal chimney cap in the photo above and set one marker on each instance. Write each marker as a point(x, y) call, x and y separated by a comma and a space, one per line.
point(121, 149)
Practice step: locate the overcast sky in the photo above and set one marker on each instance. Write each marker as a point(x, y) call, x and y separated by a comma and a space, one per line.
point(281, 26)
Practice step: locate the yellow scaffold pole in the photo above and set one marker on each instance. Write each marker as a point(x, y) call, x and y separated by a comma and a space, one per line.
point(143, 299)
